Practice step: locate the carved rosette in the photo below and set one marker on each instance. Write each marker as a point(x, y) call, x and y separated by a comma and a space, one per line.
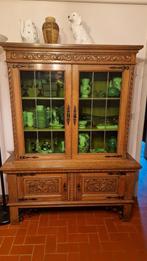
point(65, 57)
point(45, 186)
point(100, 185)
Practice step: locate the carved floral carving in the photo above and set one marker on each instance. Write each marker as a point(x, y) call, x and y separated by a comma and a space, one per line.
point(38, 186)
point(45, 57)
point(100, 184)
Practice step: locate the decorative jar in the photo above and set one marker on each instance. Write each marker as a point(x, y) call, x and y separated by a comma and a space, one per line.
point(50, 30)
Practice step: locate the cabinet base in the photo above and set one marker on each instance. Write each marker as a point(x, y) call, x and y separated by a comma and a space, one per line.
point(124, 210)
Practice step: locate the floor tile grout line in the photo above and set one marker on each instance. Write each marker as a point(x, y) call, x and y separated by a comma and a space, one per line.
point(107, 230)
point(11, 246)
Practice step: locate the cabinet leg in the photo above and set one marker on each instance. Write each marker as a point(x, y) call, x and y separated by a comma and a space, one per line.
point(127, 210)
point(14, 216)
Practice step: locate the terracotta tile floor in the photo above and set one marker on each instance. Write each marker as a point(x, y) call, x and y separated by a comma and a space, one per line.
point(79, 234)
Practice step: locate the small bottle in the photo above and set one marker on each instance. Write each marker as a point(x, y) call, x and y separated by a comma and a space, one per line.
point(50, 30)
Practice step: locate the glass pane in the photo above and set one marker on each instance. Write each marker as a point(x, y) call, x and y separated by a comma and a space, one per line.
point(99, 102)
point(43, 111)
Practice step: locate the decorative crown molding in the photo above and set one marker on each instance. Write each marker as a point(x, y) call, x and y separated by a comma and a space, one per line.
point(49, 57)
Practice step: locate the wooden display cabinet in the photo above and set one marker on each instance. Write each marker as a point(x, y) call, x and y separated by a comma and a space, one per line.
point(70, 110)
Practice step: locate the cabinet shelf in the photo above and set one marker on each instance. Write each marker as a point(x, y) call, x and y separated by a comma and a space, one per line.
point(96, 129)
point(43, 130)
point(100, 98)
point(42, 98)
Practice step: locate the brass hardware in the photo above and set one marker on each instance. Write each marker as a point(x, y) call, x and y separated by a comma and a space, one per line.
point(27, 199)
point(28, 157)
point(18, 66)
point(122, 68)
point(113, 156)
point(78, 187)
point(65, 187)
point(68, 114)
point(75, 115)
point(26, 174)
point(117, 173)
point(115, 197)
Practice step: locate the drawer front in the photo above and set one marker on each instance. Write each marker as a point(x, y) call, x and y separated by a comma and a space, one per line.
point(42, 187)
point(96, 186)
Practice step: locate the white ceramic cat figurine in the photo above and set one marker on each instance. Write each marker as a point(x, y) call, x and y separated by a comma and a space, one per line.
point(28, 31)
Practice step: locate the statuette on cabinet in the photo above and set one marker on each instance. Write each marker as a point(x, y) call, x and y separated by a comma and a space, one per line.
point(28, 31)
point(3, 38)
point(80, 34)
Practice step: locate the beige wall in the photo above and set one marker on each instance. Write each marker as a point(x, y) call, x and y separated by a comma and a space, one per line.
point(107, 23)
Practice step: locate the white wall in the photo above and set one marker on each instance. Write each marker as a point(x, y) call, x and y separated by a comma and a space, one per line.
point(108, 24)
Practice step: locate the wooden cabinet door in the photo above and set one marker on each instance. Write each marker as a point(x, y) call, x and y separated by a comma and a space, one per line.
point(100, 186)
point(100, 111)
point(41, 107)
point(42, 187)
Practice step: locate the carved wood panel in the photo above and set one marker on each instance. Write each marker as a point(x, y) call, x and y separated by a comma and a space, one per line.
point(45, 186)
point(100, 184)
point(52, 186)
point(65, 57)
point(96, 186)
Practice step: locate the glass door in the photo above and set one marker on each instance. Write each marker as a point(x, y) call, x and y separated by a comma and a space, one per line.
point(45, 101)
point(97, 111)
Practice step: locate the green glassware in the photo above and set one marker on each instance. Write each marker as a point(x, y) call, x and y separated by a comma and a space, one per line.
point(111, 144)
point(117, 82)
point(83, 142)
point(30, 119)
point(113, 92)
point(114, 87)
point(24, 118)
point(85, 88)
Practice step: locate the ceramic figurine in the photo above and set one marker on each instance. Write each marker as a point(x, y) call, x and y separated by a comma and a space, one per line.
point(83, 142)
point(113, 92)
point(55, 117)
point(117, 82)
point(111, 144)
point(28, 31)
point(62, 146)
point(85, 88)
point(80, 34)
point(3, 38)
point(114, 87)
